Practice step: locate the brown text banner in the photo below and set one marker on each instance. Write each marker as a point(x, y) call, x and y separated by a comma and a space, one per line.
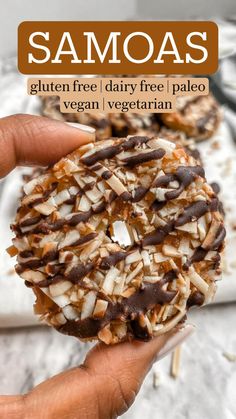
point(118, 47)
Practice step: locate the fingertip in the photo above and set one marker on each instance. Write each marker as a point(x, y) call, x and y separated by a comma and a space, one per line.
point(84, 128)
point(137, 353)
point(35, 140)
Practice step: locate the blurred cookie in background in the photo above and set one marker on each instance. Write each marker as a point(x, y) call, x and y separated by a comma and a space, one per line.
point(197, 116)
point(124, 124)
point(180, 138)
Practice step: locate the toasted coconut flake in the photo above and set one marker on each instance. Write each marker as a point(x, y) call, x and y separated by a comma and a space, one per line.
point(157, 143)
point(78, 179)
point(171, 251)
point(89, 249)
point(65, 209)
point(128, 292)
point(33, 276)
point(151, 278)
point(84, 204)
point(94, 195)
point(211, 293)
point(189, 227)
point(70, 313)
point(145, 322)
point(197, 281)
point(160, 193)
point(174, 184)
point(121, 233)
point(49, 248)
point(175, 362)
point(21, 244)
point(229, 356)
point(88, 304)
point(157, 327)
point(53, 237)
point(67, 257)
point(135, 272)
point(74, 297)
point(60, 318)
point(109, 280)
point(61, 197)
point(130, 176)
point(59, 288)
point(105, 335)
point(61, 300)
point(171, 323)
point(70, 166)
point(116, 185)
point(146, 258)
point(184, 246)
point(80, 293)
point(133, 257)
point(70, 238)
point(211, 255)
point(159, 258)
point(120, 330)
point(100, 308)
point(30, 199)
point(29, 187)
point(47, 207)
point(12, 251)
point(202, 228)
point(101, 186)
point(210, 237)
point(119, 285)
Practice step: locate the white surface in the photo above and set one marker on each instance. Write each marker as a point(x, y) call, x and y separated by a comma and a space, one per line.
point(16, 301)
point(205, 388)
point(13, 12)
point(182, 9)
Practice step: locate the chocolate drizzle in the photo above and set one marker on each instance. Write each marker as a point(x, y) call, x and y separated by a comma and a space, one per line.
point(190, 213)
point(44, 196)
point(106, 153)
point(202, 122)
point(196, 299)
point(219, 238)
point(128, 309)
point(79, 272)
point(158, 236)
point(112, 151)
point(135, 141)
point(184, 175)
point(84, 239)
point(30, 221)
point(144, 157)
point(139, 193)
point(112, 260)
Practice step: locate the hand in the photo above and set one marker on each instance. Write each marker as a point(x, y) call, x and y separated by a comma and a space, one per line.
point(106, 384)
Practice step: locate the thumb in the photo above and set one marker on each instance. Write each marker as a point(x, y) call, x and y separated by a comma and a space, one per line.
point(106, 384)
point(34, 140)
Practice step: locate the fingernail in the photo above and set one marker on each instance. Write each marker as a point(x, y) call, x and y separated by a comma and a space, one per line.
point(175, 340)
point(82, 127)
